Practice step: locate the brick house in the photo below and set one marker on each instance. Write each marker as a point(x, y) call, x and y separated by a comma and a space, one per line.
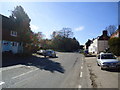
point(10, 36)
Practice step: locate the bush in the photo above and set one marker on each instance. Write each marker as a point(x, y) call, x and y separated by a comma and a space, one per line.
point(114, 44)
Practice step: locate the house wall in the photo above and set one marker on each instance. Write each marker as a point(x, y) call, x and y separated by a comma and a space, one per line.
point(15, 47)
point(6, 46)
point(93, 48)
point(98, 46)
point(11, 40)
point(102, 45)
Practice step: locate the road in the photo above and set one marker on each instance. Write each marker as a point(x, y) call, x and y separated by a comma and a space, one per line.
point(66, 71)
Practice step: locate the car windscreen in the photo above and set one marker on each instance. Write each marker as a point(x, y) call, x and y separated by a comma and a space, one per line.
point(107, 56)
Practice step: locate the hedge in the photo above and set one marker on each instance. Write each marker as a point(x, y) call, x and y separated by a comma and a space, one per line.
point(114, 44)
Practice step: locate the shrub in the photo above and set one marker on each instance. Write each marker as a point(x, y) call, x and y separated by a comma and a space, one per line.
point(114, 44)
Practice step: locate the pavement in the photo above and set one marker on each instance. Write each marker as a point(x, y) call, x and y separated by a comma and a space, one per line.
point(101, 78)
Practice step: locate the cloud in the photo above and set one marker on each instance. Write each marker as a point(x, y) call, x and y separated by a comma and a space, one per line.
point(79, 28)
point(34, 28)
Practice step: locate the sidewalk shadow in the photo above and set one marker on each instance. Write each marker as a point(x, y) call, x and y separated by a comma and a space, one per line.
point(41, 63)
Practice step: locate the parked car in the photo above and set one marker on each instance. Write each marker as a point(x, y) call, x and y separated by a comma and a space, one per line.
point(50, 53)
point(107, 61)
point(41, 52)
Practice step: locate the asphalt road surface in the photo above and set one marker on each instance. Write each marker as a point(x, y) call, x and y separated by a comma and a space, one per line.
point(66, 71)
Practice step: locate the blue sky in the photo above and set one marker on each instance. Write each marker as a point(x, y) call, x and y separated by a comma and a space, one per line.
point(87, 19)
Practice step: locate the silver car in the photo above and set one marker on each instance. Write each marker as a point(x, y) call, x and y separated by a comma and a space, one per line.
point(50, 53)
point(107, 61)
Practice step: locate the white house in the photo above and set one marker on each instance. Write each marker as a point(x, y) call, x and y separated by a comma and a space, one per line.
point(93, 47)
point(99, 44)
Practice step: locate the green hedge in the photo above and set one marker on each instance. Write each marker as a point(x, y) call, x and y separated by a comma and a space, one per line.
point(114, 44)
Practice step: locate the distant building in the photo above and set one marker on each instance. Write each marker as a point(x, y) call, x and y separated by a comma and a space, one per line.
point(10, 37)
point(99, 44)
point(117, 33)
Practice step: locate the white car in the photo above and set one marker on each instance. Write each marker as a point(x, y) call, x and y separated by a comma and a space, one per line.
point(40, 52)
point(107, 61)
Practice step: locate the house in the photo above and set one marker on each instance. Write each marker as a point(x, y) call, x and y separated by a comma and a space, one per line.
point(10, 36)
point(99, 44)
point(117, 33)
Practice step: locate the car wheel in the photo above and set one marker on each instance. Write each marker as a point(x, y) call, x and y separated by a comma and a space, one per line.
point(98, 64)
point(54, 56)
point(102, 68)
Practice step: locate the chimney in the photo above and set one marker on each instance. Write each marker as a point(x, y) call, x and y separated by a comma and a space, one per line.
point(105, 33)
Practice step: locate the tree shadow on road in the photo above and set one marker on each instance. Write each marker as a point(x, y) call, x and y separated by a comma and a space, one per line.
point(41, 63)
point(47, 64)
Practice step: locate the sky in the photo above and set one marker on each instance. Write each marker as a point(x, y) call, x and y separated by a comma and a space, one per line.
point(86, 19)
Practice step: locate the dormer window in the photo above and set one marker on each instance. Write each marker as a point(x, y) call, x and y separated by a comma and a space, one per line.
point(13, 33)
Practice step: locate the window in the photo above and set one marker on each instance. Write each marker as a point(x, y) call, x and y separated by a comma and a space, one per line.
point(14, 43)
point(13, 33)
point(20, 44)
point(5, 43)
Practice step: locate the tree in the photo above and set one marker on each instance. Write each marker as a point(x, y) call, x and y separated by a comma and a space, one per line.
point(35, 42)
point(114, 44)
point(46, 44)
point(88, 43)
point(66, 32)
point(81, 47)
point(62, 40)
point(111, 29)
point(54, 34)
point(22, 25)
point(40, 36)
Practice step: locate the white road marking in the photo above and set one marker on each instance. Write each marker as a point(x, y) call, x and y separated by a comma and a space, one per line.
point(81, 74)
point(24, 73)
point(1, 82)
point(11, 67)
point(79, 86)
point(28, 66)
point(81, 67)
